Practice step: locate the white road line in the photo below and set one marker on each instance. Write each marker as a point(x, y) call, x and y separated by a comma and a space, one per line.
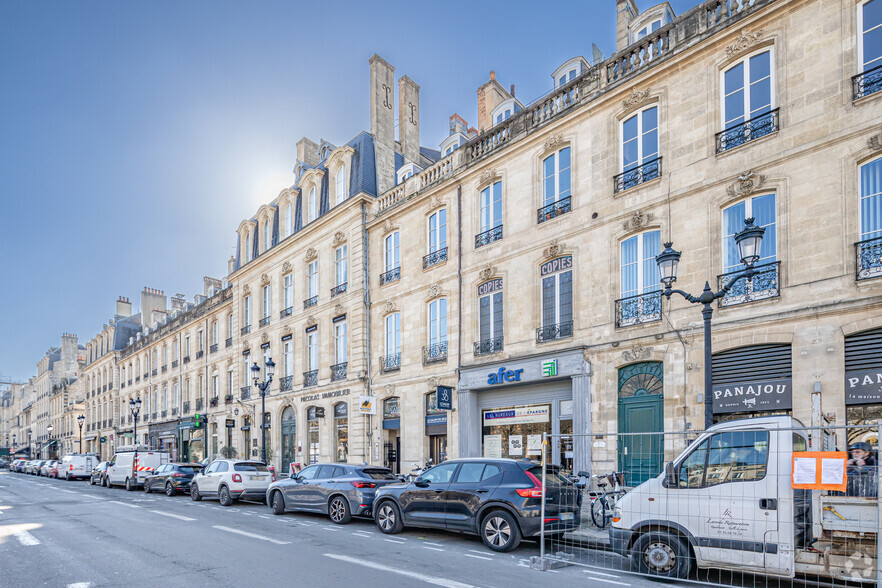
point(357, 534)
point(247, 514)
point(484, 553)
point(80, 585)
point(68, 491)
point(478, 557)
point(430, 543)
point(432, 548)
point(447, 583)
point(125, 504)
point(264, 516)
point(92, 497)
point(330, 529)
point(172, 515)
point(394, 541)
point(604, 580)
point(252, 535)
point(26, 538)
point(601, 574)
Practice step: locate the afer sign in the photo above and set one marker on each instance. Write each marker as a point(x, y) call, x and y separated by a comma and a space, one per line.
point(863, 386)
point(503, 375)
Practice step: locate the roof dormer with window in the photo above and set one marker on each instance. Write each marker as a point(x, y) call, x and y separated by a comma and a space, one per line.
point(570, 71)
point(651, 20)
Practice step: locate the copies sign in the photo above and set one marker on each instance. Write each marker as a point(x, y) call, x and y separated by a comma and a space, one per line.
point(863, 387)
point(754, 396)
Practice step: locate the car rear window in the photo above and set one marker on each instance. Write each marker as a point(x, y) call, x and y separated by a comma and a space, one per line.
point(378, 474)
point(552, 474)
point(250, 467)
point(189, 469)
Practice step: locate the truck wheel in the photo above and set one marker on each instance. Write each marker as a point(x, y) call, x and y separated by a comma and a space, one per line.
point(129, 486)
point(662, 554)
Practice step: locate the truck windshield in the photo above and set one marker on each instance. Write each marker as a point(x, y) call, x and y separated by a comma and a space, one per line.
point(730, 456)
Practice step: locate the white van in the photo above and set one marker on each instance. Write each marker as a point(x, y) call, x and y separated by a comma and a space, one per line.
point(131, 464)
point(743, 514)
point(77, 465)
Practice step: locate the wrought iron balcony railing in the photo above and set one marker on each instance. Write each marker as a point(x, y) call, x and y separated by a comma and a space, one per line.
point(104, 387)
point(264, 321)
point(186, 359)
point(553, 332)
point(638, 309)
point(868, 256)
point(138, 378)
point(650, 170)
point(245, 392)
point(737, 135)
point(175, 364)
point(130, 381)
point(311, 301)
point(164, 368)
point(164, 414)
point(435, 353)
point(122, 385)
point(763, 285)
point(310, 378)
point(146, 374)
point(199, 354)
point(155, 371)
point(434, 258)
point(186, 407)
point(174, 412)
point(213, 348)
point(287, 312)
point(338, 371)
point(553, 210)
point(391, 362)
point(487, 237)
point(213, 402)
point(229, 342)
point(339, 289)
point(390, 276)
point(152, 418)
point(246, 329)
point(866, 83)
point(199, 404)
point(286, 383)
point(488, 346)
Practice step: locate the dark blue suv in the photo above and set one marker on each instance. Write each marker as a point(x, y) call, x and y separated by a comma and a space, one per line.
point(499, 499)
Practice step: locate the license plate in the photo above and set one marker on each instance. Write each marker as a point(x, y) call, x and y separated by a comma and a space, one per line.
point(566, 516)
point(255, 477)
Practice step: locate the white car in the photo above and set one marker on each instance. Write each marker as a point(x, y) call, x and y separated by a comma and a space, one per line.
point(77, 465)
point(232, 479)
point(130, 465)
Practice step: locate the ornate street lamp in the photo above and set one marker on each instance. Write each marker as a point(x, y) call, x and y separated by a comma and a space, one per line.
point(49, 441)
point(135, 408)
point(80, 420)
point(749, 240)
point(263, 387)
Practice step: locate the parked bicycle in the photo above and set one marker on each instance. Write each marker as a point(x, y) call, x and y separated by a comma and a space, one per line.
point(603, 506)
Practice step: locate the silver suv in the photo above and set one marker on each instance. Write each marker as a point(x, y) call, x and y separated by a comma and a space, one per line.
point(229, 480)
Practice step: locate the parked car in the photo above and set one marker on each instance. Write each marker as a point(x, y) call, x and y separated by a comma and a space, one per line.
point(232, 479)
point(34, 466)
point(130, 465)
point(48, 468)
point(77, 465)
point(499, 499)
point(98, 474)
point(18, 465)
point(338, 490)
point(172, 478)
point(4, 465)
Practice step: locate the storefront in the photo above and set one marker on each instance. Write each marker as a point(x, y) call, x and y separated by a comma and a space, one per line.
point(341, 431)
point(505, 408)
point(863, 385)
point(191, 441)
point(289, 441)
point(392, 430)
point(436, 429)
point(313, 439)
point(751, 380)
point(163, 437)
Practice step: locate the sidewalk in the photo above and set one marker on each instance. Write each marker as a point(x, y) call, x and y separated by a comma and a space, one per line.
point(588, 534)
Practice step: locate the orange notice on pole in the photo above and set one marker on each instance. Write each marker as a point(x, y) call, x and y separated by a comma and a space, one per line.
point(819, 470)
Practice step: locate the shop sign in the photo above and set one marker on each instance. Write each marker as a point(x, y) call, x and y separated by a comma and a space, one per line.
point(490, 287)
point(444, 394)
point(231, 423)
point(754, 396)
point(517, 416)
point(319, 412)
point(331, 394)
point(341, 410)
point(188, 424)
point(549, 368)
point(104, 439)
point(503, 375)
point(863, 386)
point(367, 404)
point(436, 419)
point(556, 265)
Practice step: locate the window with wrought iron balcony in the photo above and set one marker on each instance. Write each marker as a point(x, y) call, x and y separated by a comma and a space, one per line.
point(551, 332)
point(286, 383)
point(311, 301)
point(245, 392)
point(213, 348)
point(338, 289)
point(265, 321)
point(437, 239)
point(869, 50)
point(338, 371)
point(186, 359)
point(213, 402)
point(229, 342)
point(164, 368)
point(174, 364)
point(199, 354)
point(228, 399)
point(765, 282)
point(391, 258)
point(286, 312)
point(488, 346)
point(391, 275)
point(749, 111)
point(310, 378)
point(390, 362)
point(186, 407)
point(199, 403)
point(435, 353)
point(246, 329)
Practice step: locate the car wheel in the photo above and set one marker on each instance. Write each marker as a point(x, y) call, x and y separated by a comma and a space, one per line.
point(224, 496)
point(91, 481)
point(129, 486)
point(500, 531)
point(277, 502)
point(105, 482)
point(339, 511)
point(389, 518)
point(194, 493)
point(169, 489)
point(661, 554)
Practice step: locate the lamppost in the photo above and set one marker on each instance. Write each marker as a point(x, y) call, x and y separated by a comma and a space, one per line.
point(80, 420)
point(135, 408)
point(263, 387)
point(749, 241)
point(49, 441)
point(30, 455)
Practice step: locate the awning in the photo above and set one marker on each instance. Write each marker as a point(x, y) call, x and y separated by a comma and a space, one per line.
point(22, 450)
point(50, 444)
point(91, 437)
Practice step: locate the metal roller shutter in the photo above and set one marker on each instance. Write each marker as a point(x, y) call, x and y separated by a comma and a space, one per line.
point(863, 351)
point(759, 362)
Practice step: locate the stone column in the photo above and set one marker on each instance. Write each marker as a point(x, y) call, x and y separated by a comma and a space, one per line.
point(383, 121)
point(582, 422)
point(469, 425)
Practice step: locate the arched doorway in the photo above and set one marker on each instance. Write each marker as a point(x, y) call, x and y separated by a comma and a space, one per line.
point(289, 431)
point(641, 410)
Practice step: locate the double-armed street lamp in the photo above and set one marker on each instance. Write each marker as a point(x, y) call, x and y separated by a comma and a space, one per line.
point(263, 387)
point(749, 240)
point(135, 408)
point(80, 420)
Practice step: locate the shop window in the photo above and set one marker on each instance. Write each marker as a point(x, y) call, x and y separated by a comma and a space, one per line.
point(515, 431)
point(341, 425)
point(312, 424)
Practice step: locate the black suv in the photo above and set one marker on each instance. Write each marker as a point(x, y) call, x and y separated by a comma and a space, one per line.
point(500, 499)
point(172, 478)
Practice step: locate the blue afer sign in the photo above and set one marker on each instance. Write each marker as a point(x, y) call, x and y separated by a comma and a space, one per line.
point(445, 398)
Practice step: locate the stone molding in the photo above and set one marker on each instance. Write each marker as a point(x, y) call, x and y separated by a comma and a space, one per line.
point(339, 237)
point(636, 97)
point(637, 353)
point(286, 267)
point(554, 249)
point(746, 184)
point(311, 254)
point(744, 41)
point(638, 220)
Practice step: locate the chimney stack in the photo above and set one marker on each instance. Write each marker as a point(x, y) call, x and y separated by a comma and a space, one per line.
point(626, 11)
point(490, 95)
point(383, 121)
point(308, 152)
point(152, 300)
point(409, 119)
point(123, 307)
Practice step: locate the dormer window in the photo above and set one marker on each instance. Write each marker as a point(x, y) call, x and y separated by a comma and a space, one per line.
point(505, 110)
point(407, 170)
point(650, 21)
point(569, 71)
point(451, 143)
point(650, 28)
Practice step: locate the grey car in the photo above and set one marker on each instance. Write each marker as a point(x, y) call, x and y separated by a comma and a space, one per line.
point(338, 490)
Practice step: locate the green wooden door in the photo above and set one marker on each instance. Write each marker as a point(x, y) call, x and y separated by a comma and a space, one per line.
point(641, 404)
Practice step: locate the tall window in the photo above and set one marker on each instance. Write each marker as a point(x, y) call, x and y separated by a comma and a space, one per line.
point(214, 386)
point(313, 204)
point(177, 395)
point(214, 333)
point(267, 234)
point(438, 231)
point(762, 209)
point(491, 207)
point(340, 184)
point(870, 35)
point(230, 380)
point(438, 321)
point(312, 278)
point(393, 334)
point(341, 265)
point(639, 269)
point(199, 340)
point(556, 176)
point(490, 316)
point(640, 146)
point(187, 346)
point(267, 301)
point(230, 325)
point(246, 245)
point(247, 311)
point(288, 292)
point(165, 355)
point(289, 220)
point(287, 358)
point(871, 196)
point(747, 89)
point(390, 247)
point(557, 298)
point(340, 339)
point(312, 350)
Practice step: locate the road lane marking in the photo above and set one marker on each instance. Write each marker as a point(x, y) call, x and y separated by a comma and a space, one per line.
point(600, 574)
point(447, 583)
point(357, 534)
point(604, 580)
point(395, 541)
point(265, 516)
point(26, 538)
point(484, 553)
point(125, 504)
point(478, 556)
point(80, 585)
point(68, 491)
point(430, 543)
point(252, 535)
point(92, 497)
point(172, 515)
point(432, 548)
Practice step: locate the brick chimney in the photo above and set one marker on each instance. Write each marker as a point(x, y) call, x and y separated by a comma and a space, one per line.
point(383, 120)
point(409, 119)
point(308, 152)
point(626, 11)
point(490, 94)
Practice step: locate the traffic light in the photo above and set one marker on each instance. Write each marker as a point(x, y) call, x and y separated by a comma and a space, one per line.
point(198, 422)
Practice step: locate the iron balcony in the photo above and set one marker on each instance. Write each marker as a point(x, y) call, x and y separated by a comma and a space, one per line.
point(286, 383)
point(390, 276)
point(552, 332)
point(311, 301)
point(489, 236)
point(868, 258)
point(434, 258)
point(626, 180)
point(310, 378)
point(638, 309)
point(338, 371)
point(763, 285)
point(488, 346)
point(737, 135)
point(435, 353)
point(553, 210)
point(866, 83)
point(391, 362)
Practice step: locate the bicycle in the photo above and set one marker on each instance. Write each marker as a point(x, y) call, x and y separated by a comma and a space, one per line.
point(603, 506)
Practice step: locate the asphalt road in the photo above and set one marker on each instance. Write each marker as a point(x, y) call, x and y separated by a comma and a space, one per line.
point(57, 533)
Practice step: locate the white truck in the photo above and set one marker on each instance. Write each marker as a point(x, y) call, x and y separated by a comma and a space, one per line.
point(77, 465)
point(131, 464)
point(727, 502)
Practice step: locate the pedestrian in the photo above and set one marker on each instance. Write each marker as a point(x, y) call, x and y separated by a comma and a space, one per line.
point(861, 456)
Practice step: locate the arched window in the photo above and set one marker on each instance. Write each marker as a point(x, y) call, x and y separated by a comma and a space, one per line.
point(289, 220)
point(340, 184)
point(313, 204)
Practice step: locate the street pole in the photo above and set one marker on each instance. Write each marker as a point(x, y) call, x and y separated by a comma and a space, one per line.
point(263, 422)
point(707, 312)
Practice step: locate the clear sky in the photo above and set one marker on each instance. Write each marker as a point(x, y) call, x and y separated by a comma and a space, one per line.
point(135, 136)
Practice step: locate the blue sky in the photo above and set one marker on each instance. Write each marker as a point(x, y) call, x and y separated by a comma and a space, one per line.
point(134, 137)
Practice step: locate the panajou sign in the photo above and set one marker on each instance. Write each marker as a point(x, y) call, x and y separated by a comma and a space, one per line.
point(754, 396)
point(863, 387)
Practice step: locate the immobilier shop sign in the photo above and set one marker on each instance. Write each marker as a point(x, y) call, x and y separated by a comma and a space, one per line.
point(753, 396)
point(863, 386)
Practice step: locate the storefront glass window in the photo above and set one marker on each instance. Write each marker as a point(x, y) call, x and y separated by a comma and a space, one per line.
point(391, 409)
point(289, 430)
point(313, 435)
point(341, 423)
point(515, 431)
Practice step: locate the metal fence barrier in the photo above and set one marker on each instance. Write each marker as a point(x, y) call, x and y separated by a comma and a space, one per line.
point(748, 503)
